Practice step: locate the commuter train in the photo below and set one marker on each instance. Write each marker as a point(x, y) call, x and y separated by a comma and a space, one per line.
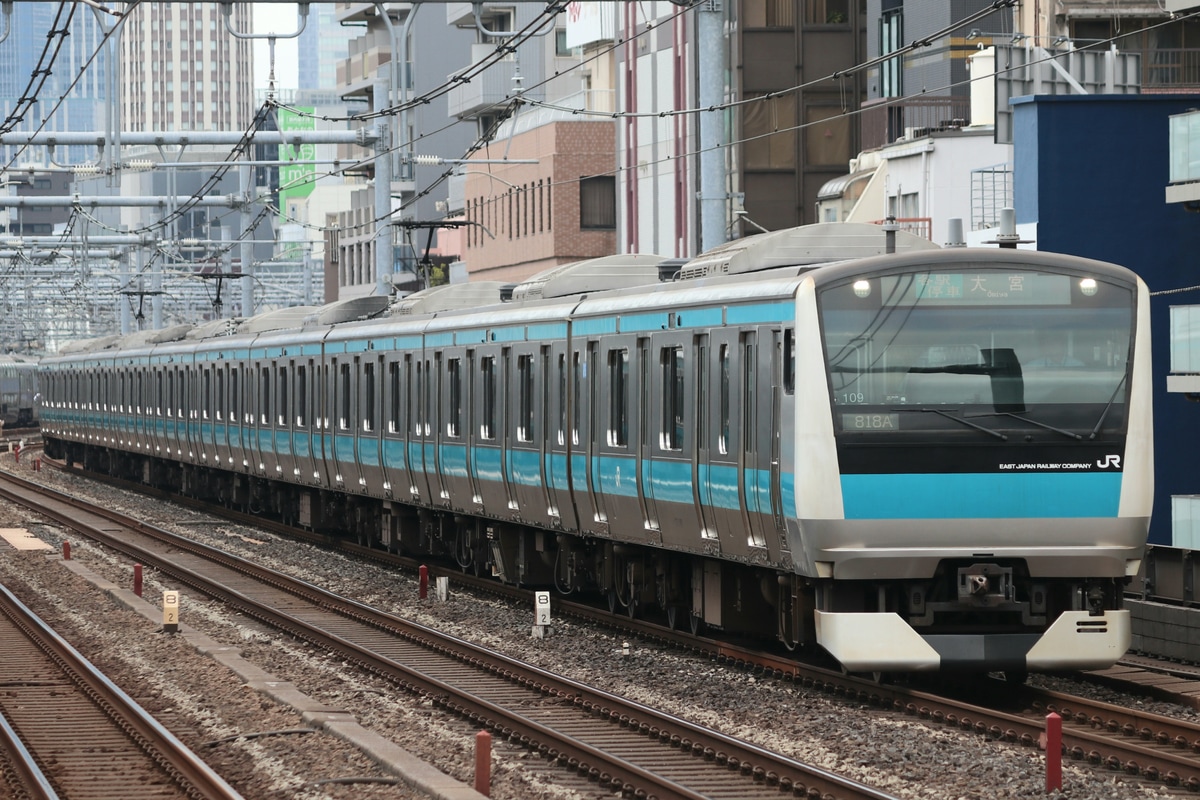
point(18, 391)
point(916, 458)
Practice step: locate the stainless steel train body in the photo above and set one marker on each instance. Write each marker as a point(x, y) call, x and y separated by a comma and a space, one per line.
point(18, 391)
point(866, 455)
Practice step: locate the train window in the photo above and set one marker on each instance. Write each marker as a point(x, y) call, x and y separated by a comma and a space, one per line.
point(301, 396)
point(430, 377)
point(159, 397)
point(283, 396)
point(410, 420)
point(525, 398)
point(219, 400)
point(170, 403)
point(343, 398)
point(671, 362)
point(618, 383)
point(487, 425)
point(454, 412)
point(723, 366)
point(368, 404)
point(789, 361)
point(701, 352)
point(415, 401)
point(394, 411)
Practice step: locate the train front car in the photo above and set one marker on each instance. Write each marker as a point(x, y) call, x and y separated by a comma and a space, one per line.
point(981, 492)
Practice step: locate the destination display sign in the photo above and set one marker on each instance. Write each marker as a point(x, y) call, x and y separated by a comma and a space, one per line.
point(982, 288)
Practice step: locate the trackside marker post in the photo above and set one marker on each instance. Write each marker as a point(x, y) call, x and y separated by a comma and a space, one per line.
point(1053, 752)
point(423, 591)
point(171, 611)
point(66, 551)
point(137, 579)
point(541, 614)
point(483, 763)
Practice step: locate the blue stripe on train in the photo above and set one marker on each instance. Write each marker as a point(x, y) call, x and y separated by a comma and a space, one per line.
point(1062, 495)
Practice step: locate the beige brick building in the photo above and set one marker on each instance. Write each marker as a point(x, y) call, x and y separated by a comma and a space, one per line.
point(529, 217)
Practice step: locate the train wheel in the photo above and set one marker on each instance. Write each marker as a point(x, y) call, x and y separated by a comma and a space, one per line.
point(672, 617)
point(612, 601)
point(694, 623)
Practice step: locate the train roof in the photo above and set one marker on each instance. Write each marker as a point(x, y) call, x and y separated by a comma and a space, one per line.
point(592, 275)
point(278, 319)
point(807, 245)
point(354, 309)
point(449, 297)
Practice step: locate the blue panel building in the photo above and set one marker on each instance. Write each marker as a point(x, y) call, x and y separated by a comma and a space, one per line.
point(1090, 171)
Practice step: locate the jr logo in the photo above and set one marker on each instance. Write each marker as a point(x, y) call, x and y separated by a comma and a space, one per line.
point(1110, 461)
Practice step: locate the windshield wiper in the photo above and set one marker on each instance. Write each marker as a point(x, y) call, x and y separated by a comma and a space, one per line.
point(1068, 434)
point(961, 420)
point(1107, 406)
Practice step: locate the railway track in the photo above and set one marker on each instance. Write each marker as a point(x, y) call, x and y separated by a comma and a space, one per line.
point(1151, 746)
point(621, 745)
point(67, 731)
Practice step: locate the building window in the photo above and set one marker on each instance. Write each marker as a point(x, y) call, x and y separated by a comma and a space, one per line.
point(826, 136)
point(598, 203)
point(891, 33)
point(827, 12)
point(769, 133)
point(769, 14)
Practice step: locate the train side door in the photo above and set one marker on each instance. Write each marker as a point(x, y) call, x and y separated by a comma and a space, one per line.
point(702, 453)
point(645, 399)
point(587, 433)
point(557, 461)
point(471, 429)
point(439, 418)
point(759, 367)
point(723, 474)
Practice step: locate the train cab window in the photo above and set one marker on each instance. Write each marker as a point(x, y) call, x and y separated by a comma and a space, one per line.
point(368, 400)
point(525, 398)
point(394, 408)
point(487, 425)
point(671, 362)
point(343, 398)
point(618, 383)
point(723, 399)
point(454, 388)
point(283, 396)
point(301, 396)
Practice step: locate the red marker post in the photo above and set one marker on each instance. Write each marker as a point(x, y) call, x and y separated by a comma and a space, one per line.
point(137, 579)
point(483, 763)
point(423, 592)
point(1053, 752)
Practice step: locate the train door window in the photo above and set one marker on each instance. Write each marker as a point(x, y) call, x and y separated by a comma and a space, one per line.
point(427, 400)
point(170, 401)
point(577, 394)
point(487, 425)
point(723, 399)
point(368, 400)
point(618, 383)
point(264, 395)
point(301, 396)
point(789, 361)
point(234, 396)
point(140, 389)
point(394, 412)
point(219, 400)
point(749, 419)
point(524, 398)
point(671, 359)
point(454, 388)
point(410, 421)
point(283, 397)
point(561, 416)
point(343, 398)
point(206, 398)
